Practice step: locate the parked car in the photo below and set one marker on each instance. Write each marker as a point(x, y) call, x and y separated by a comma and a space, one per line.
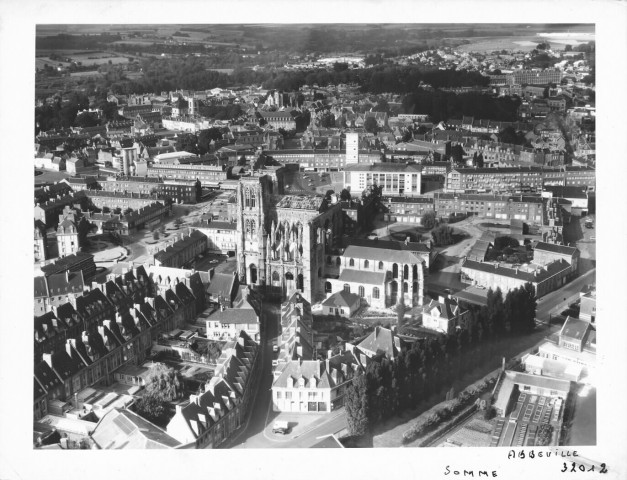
point(281, 427)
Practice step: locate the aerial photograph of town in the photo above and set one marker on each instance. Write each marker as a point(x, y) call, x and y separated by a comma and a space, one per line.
point(260, 236)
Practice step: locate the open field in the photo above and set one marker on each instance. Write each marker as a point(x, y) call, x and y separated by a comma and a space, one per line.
point(523, 43)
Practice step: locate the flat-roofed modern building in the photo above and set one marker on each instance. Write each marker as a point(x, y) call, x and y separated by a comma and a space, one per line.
point(395, 178)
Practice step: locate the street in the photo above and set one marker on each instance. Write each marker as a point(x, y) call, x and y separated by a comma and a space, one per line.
point(305, 428)
point(554, 303)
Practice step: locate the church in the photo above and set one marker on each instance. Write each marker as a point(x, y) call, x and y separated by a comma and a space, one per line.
point(289, 243)
point(282, 240)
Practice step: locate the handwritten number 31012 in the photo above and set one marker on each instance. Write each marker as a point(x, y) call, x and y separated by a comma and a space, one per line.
point(577, 467)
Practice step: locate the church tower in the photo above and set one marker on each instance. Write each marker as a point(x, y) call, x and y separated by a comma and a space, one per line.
point(252, 203)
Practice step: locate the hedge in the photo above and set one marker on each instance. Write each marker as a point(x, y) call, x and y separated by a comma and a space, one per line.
point(446, 410)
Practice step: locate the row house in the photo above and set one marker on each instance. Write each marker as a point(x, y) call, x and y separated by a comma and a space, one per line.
point(498, 207)
point(211, 417)
point(48, 212)
point(182, 252)
point(55, 290)
point(296, 339)
point(207, 175)
point(113, 200)
point(166, 278)
point(181, 191)
point(125, 337)
point(406, 209)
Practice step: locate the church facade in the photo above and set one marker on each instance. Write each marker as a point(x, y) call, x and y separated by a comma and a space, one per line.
point(282, 239)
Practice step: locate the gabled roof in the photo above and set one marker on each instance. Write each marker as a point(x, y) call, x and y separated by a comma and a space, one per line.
point(222, 284)
point(381, 340)
point(341, 298)
point(65, 366)
point(387, 251)
point(359, 276)
point(124, 429)
point(448, 310)
point(234, 316)
point(553, 248)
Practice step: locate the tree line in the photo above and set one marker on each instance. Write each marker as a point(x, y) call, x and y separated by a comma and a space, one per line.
point(430, 365)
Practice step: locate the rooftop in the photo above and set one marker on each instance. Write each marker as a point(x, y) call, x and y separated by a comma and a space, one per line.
point(358, 276)
point(301, 202)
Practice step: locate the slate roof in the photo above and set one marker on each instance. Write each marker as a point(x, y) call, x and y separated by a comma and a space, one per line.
point(44, 375)
point(234, 316)
point(386, 251)
point(65, 366)
point(448, 310)
point(358, 276)
point(544, 272)
point(381, 340)
point(553, 248)
point(341, 298)
point(66, 263)
point(222, 284)
point(59, 284)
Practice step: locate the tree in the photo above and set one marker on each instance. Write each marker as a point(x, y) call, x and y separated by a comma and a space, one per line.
point(151, 407)
point(494, 313)
point(85, 120)
point(500, 243)
point(428, 220)
point(357, 410)
point(457, 153)
point(442, 235)
point(205, 137)
point(568, 47)
point(371, 125)
point(327, 120)
point(345, 195)
point(163, 382)
point(373, 191)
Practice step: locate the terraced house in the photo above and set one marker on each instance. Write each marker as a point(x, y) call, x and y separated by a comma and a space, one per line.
point(211, 417)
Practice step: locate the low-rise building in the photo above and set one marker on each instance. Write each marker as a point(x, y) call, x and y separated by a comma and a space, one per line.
point(544, 278)
point(182, 252)
point(313, 386)
point(341, 303)
point(445, 316)
point(227, 323)
point(221, 236)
